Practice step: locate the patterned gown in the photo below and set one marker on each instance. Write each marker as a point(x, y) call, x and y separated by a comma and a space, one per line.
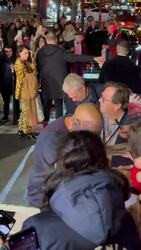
point(21, 70)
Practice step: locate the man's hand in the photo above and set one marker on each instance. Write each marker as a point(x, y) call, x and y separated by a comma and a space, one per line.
point(99, 59)
point(105, 46)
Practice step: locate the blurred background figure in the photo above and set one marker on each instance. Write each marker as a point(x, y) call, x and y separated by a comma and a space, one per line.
point(8, 84)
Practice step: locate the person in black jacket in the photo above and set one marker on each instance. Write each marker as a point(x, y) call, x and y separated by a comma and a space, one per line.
point(7, 85)
point(52, 69)
point(122, 69)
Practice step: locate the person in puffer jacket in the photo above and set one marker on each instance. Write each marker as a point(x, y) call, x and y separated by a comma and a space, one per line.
point(86, 200)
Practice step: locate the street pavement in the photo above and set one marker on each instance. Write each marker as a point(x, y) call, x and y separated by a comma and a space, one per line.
point(16, 159)
point(15, 164)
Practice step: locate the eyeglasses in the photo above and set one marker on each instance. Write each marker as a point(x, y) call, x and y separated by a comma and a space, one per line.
point(104, 99)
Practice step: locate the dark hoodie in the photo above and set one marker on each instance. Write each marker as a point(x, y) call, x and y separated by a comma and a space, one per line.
point(92, 205)
point(52, 67)
point(87, 211)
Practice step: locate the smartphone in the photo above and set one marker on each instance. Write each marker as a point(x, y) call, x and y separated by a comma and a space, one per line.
point(24, 240)
point(6, 224)
point(19, 33)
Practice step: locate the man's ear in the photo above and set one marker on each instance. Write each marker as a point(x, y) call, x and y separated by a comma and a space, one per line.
point(117, 106)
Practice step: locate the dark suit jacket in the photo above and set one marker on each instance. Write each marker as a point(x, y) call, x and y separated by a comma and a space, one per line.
point(52, 67)
point(121, 69)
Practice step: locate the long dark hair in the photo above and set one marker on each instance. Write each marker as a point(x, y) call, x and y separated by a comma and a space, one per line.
point(79, 153)
point(20, 49)
point(25, 63)
point(38, 41)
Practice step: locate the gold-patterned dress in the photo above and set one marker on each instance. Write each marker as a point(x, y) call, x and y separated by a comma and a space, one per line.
point(21, 69)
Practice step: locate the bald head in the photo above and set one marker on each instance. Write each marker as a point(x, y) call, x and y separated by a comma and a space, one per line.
point(123, 48)
point(51, 38)
point(86, 117)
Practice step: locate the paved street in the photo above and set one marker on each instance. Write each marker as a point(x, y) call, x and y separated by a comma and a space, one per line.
point(15, 164)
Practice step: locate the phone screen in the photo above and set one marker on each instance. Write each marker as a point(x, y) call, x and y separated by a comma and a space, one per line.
point(25, 240)
point(6, 224)
point(19, 33)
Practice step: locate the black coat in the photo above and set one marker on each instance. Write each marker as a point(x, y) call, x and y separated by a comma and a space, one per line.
point(52, 68)
point(121, 69)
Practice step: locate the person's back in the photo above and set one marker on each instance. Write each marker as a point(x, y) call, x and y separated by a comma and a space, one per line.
point(52, 68)
point(54, 234)
point(122, 69)
point(86, 199)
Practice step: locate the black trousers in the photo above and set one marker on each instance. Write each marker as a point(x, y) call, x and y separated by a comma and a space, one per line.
point(6, 103)
point(47, 105)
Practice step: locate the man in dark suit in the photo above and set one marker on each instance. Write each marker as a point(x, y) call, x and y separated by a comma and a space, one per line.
point(7, 84)
point(122, 69)
point(52, 68)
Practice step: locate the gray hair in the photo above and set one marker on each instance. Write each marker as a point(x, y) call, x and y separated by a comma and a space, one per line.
point(73, 81)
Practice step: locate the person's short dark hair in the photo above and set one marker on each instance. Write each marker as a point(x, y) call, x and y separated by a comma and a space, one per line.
point(21, 48)
point(8, 47)
point(38, 40)
point(134, 139)
point(122, 182)
point(124, 44)
point(68, 23)
point(51, 36)
point(121, 95)
point(79, 153)
point(23, 26)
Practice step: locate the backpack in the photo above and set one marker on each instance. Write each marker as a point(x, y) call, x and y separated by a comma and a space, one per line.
point(30, 86)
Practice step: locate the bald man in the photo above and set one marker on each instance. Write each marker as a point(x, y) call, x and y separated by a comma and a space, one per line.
point(86, 117)
point(122, 69)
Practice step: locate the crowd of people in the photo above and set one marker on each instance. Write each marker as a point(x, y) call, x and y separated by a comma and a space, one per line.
point(73, 180)
point(14, 4)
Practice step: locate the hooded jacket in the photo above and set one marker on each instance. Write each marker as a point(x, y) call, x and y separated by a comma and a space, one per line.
point(52, 67)
point(86, 212)
point(92, 205)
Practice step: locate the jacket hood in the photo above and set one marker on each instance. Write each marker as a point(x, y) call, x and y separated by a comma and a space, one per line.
point(49, 49)
point(92, 205)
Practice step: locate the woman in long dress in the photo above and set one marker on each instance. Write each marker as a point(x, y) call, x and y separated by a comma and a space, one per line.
point(28, 113)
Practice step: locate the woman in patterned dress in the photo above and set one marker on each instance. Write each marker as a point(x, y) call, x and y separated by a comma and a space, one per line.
point(23, 66)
